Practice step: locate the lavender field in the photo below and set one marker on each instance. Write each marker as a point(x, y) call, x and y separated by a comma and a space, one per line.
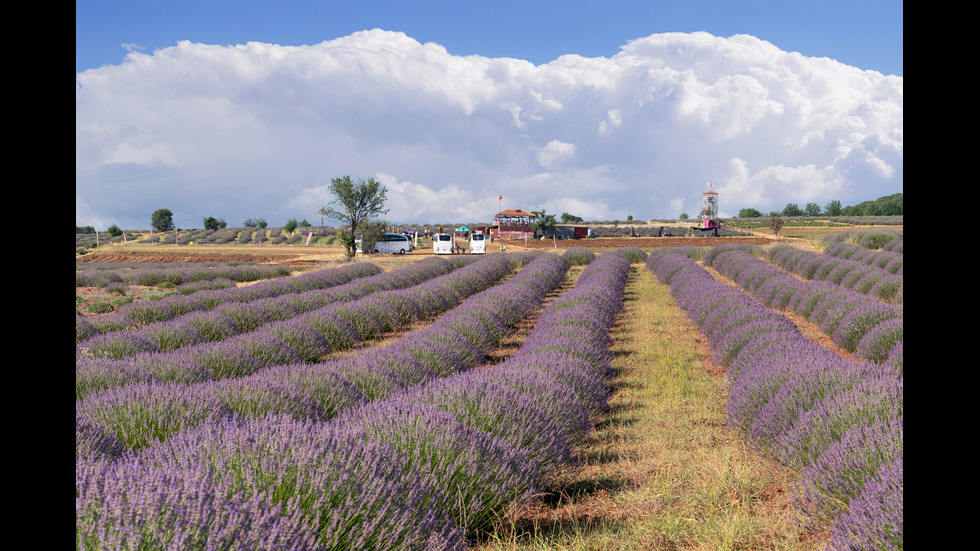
point(357, 408)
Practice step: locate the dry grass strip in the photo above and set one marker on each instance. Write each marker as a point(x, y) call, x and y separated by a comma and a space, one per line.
point(662, 470)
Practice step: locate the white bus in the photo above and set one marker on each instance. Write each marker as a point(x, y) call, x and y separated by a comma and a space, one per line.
point(478, 243)
point(393, 243)
point(442, 243)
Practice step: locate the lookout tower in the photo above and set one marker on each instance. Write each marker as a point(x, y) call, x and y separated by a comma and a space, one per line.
point(709, 208)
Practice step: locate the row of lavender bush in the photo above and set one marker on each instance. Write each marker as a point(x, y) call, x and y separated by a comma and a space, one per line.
point(403, 472)
point(856, 322)
point(141, 313)
point(277, 299)
point(890, 260)
point(838, 422)
point(127, 358)
point(885, 239)
point(886, 283)
point(178, 275)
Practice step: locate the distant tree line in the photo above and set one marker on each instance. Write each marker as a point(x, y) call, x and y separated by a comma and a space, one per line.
point(888, 205)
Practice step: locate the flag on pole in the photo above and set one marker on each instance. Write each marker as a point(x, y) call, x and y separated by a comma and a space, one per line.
point(500, 197)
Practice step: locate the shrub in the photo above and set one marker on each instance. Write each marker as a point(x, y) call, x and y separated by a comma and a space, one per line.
point(143, 313)
point(875, 518)
point(332, 392)
point(579, 256)
point(223, 360)
point(101, 307)
point(246, 316)
point(115, 346)
point(877, 344)
point(485, 473)
point(861, 320)
point(212, 324)
point(170, 336)
point(141, 413)
point(309, 343)
point(352, 491)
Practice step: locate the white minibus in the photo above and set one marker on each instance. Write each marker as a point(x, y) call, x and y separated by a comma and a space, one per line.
point(442, 243)
point(393, 243)
point(478, 243)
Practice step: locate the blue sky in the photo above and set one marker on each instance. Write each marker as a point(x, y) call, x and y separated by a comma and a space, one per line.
point(864, 34)
point(246, 109)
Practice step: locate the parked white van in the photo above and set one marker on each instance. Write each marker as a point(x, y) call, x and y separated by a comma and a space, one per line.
point(478, 243)
point(442, 243)
point(394, 243)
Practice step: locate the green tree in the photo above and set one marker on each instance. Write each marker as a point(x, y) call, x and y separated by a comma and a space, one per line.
point(291, 225)
point(543, 221)
point(84, 229)
point(212, 223)
point(833, 208)
point(792, 209)
point(162, 220)
point(371, 233)
point(570, 218)
point(354, 204)
point(811, 209)
point(304, 223)
point(114, 231)
point(749, 213)
point(683, 216)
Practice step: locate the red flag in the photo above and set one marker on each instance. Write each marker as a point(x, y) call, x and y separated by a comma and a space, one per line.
point(499, 197)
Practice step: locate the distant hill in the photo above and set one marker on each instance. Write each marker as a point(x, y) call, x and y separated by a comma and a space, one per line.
point(889, 205)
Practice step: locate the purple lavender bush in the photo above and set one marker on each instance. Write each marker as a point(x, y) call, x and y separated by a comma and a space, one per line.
point(484, 476)
point(304, 339)
point(247, 317)
point(862, 320)
point(261, 394)
point(171, 335)
point(84, 329)
point(504, 413)
point(837, 476)
point(141, 413)
point(353, 494)
point(222, 360)
point(214, 325)
point(94, 374)
point(332, 392)
point(114, 346)
point(128, 505)
point(876, 398)
point(93, 441)
point(145, 312)
point(875, 518)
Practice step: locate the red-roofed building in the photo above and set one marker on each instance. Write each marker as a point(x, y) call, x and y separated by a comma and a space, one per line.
point(513, 224)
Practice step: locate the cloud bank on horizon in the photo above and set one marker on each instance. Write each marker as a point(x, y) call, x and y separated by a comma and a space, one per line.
point(258, 130)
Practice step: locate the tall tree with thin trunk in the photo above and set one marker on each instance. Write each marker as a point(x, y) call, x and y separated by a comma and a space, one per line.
point(354, 204)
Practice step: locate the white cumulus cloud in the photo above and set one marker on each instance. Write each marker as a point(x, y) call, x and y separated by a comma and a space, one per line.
point(259, 130)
